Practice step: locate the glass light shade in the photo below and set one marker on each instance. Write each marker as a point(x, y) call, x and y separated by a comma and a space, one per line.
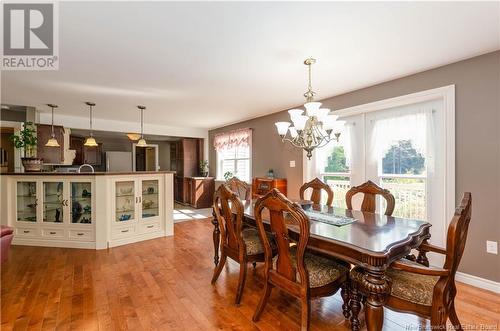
point(52, 142)
point(329, 121)
point(312, 108)
point(133, 136)
point(300, 122)
point(295, 112)
point(322, 113)
point(293, 132)
point(90, 141)
point(141, 143)
point(282, 127)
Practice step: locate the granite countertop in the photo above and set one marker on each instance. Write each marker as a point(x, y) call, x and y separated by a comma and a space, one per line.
point(98, 173)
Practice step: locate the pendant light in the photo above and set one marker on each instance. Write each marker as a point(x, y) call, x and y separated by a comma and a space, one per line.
point(142, 141)
point(52, 142)
point(90, 141)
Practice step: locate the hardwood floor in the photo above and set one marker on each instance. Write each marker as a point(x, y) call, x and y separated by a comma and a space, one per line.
point(164, 284)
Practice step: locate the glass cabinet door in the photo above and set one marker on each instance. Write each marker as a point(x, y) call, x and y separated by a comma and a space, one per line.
point(53, 202)
point(150, 202)
point(26, 201)
point(124, 201)
point(81, 202)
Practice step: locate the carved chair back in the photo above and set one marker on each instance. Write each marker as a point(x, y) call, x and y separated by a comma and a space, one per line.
point(457, 234)
point(242, 189)
point(317, 185)
point(282, 212)
point(370, 191)
point(229, 213)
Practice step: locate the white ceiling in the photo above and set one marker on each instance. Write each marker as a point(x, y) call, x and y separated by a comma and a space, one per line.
point(207, 64)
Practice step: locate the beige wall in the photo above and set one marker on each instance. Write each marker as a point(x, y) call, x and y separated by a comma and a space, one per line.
point(477, 145)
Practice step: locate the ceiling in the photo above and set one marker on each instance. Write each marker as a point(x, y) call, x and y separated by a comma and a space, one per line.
point(206, 64)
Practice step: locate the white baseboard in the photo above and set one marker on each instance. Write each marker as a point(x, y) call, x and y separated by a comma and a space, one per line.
point(485, 284)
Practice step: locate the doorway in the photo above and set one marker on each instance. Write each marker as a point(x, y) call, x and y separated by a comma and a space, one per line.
point(145, 158)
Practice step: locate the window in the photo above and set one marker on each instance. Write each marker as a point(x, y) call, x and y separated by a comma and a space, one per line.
point(234, 150)
point(235, 160)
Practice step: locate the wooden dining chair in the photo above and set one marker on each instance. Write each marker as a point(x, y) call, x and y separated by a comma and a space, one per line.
point(370, 190)
point(317, 186)
point(242, 189)
point(425, 291)
point(295, 270)
point(243, 245)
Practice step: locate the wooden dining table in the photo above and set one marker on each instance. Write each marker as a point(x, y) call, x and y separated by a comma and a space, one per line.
point(373, 242)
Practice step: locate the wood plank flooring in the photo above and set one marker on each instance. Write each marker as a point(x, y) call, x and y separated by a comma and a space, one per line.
point(164, 284)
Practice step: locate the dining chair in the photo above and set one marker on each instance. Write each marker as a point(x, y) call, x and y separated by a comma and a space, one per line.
point(425, 291)
point(370, 190)
point(295, 270)
point(243, 245)
point(317, 186)
point(242, 189)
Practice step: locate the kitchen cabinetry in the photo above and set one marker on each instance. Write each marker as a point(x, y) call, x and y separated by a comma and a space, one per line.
point(185, 156)
point(87, 210)
point(58, 212)
point(50, 155)
point(85, 154)
point(138, 208)
point(199, 191)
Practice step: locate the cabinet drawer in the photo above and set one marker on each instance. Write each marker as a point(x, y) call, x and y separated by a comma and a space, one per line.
point(27, 232)
point(123, 232)
point(53, 233)
point(150, 227)
point(83, 235)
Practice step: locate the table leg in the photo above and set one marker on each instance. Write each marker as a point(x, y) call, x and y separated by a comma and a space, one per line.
point(216, 239)
point(376, 285)
point(422, 257)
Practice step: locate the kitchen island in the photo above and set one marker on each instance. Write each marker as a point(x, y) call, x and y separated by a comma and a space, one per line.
point(87, 210)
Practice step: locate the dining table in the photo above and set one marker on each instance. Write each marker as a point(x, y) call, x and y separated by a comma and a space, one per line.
point(372, 241)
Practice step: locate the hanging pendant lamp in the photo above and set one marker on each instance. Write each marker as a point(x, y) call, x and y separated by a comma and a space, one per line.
point(52, 142)
point(90, 141)
point(142, 141)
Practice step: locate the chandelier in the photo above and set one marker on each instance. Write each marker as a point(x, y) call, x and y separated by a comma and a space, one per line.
point(313, 130)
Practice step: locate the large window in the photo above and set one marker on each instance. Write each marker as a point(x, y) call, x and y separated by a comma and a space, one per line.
point(234, 152)
point(235, 160)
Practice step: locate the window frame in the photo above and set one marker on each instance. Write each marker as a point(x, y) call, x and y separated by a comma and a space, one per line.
point(220, 176)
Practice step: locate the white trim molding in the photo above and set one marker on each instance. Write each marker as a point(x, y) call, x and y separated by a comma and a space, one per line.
point(475, 281)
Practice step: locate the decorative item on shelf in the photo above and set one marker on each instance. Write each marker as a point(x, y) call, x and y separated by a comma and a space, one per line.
point(85, 220)
point(151, 190)
point(27, 141)
point(85, 194)
point(313, 130)
point(204, 168)
point(90, 141)
point(58, 216)
point(126, 190)
point(86, 209)
point(228, 175)
point(270, 173)
point(52, 142)
point(146, 204)
point(125, 217)
point(142, 141)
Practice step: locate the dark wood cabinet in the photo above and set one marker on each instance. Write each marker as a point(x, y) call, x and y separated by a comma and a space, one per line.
point(260, 186)
point(199, 191)
point(85, 154)
point(50, 155)
point(185, 156)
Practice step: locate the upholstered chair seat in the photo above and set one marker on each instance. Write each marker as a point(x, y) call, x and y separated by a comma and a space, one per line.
point(252, 241)
point(322, 271)
point(406, 285)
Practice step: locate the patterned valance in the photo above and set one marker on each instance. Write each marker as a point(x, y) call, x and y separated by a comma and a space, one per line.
point(226, 140)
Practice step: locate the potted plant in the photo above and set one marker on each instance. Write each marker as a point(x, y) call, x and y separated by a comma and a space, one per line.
point(27, 140)
point(228, 175)
point(204, 168)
